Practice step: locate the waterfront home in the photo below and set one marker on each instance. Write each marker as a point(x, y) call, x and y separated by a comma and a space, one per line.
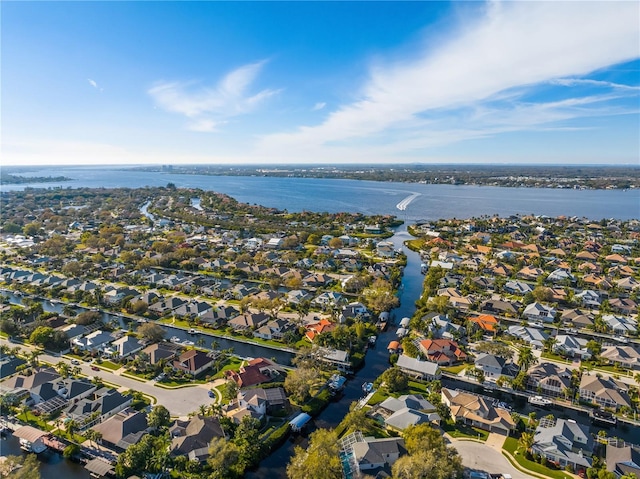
point(260, 401)
point(456, 299)
point(385, 249)
point(394, 347)
point(476, 411)
point(577, 317)
point(335, 357)
point(104, 403)
point(257, 371)
point(123, 429)
point(443, 352)
point(549, 379)
point(426, 370)
point(494, 366)
point(9, 364)
point(123, 347)
point(194, 309)
point(354, 310)
point(623, 460)
point(94, 341)
point(621, 325)
point(159, 351)
point(442, 327)
point(564, 442)
point(248, 321)
point(407, 410)
point(116, 295)
point(191, 438)
point(274, 329)
point(604, 392)
point(166, 306)
point(193, 362)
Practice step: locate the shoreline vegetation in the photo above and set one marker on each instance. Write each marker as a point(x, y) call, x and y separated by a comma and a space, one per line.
point(511, 176)
point(582, 177)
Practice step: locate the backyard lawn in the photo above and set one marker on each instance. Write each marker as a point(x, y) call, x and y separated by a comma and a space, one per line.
point(511, 445)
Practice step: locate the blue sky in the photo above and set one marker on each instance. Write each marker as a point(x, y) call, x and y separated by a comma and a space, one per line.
point(320, 82)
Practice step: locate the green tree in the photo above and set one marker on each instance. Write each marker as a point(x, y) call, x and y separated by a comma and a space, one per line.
point(525, 443)
point(41, 336)
point(247, 439)
point(393, 380)
point(321, 459)
point(151, 332)
point(526, 358)
point(224, 459)
point(159, 417)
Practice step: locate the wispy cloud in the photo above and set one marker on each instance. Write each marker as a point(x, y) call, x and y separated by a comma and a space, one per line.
point(211, 106)
point(476, 81)
point(94, 84)
point(319, 106)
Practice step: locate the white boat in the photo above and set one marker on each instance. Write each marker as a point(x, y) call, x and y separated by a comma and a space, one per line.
point(367, 387)
point(188, 343)
point(175, 339)
point(192, 331)
point(372, 340)
point(539, 401)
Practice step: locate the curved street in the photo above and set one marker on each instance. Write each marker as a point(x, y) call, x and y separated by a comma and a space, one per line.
point(179, 402)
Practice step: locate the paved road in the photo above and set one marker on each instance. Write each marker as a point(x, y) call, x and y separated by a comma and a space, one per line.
point(483, 457)
point(180, 402)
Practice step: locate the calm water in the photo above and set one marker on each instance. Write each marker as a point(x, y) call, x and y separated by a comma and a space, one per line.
point(430, 201)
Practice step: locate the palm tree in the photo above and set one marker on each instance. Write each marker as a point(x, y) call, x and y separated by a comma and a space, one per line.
point(214, 344)
point(33, 357)
point(202, 409)
point(72, 427)
point(525, 443)
point(63, 369)
point(525, 358)
point(69, 310)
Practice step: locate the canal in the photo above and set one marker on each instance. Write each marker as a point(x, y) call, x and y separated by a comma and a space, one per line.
point(376, 361)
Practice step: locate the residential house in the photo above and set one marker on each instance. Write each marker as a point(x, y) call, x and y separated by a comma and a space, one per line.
point(477, 411)
point(564, 442)
point(335, 357)
point(385, 249)
point(274, 329)
point(571, 346)
point(193, 362)
point(407, 410)
point(166, 306)
point(257, 371)
point(486, 323)
point(561, 275)
point(193, 308)
point(94, 341)
point(248, 321)
point(549, 379)
point(104, 403)
point(517, 287)
point(192, 438)
point(261, 401)
point(589, 298)
point(122, 429)
point(577, 318)
point(624, 305)
point(456, 299)
point(623, 460)
point(159, 351)
point(442, 327)
point(500, 307)
point(322, 326)
point(443, 352)
point(627, 357)
point(116, 295)
point(123, 347)
point(622, 325)
point(494, 366)
point(538, 311)
point(608, 393)
point(377, 454)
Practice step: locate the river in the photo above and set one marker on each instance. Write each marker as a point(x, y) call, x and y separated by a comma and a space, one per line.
point(412, 201)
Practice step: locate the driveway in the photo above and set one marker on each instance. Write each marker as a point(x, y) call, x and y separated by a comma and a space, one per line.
point(480, 456)
point(179, 402)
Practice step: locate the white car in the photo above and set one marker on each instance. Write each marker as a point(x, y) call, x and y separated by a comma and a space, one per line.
point(75, 362)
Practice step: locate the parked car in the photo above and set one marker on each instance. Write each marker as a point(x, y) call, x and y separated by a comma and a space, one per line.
point(75, 361)
point(95, 368)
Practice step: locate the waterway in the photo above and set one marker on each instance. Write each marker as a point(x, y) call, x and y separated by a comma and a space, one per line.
point(411, 201)
point(376, 361)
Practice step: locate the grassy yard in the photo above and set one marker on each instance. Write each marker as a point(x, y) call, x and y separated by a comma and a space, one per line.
point(463, 430)
point(417, 388)
point(135, 376)
point(232, 363)
point(555, 357)
point(35, 421)
point(111, 366)
point(455, 369)
point(511, 445)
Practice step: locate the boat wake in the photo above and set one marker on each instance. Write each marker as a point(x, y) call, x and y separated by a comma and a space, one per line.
point(404, 203)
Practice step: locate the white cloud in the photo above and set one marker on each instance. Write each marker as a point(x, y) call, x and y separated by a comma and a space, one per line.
point(94, 84)
point(319, 106)
point(498, 57)
point(208, 107)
